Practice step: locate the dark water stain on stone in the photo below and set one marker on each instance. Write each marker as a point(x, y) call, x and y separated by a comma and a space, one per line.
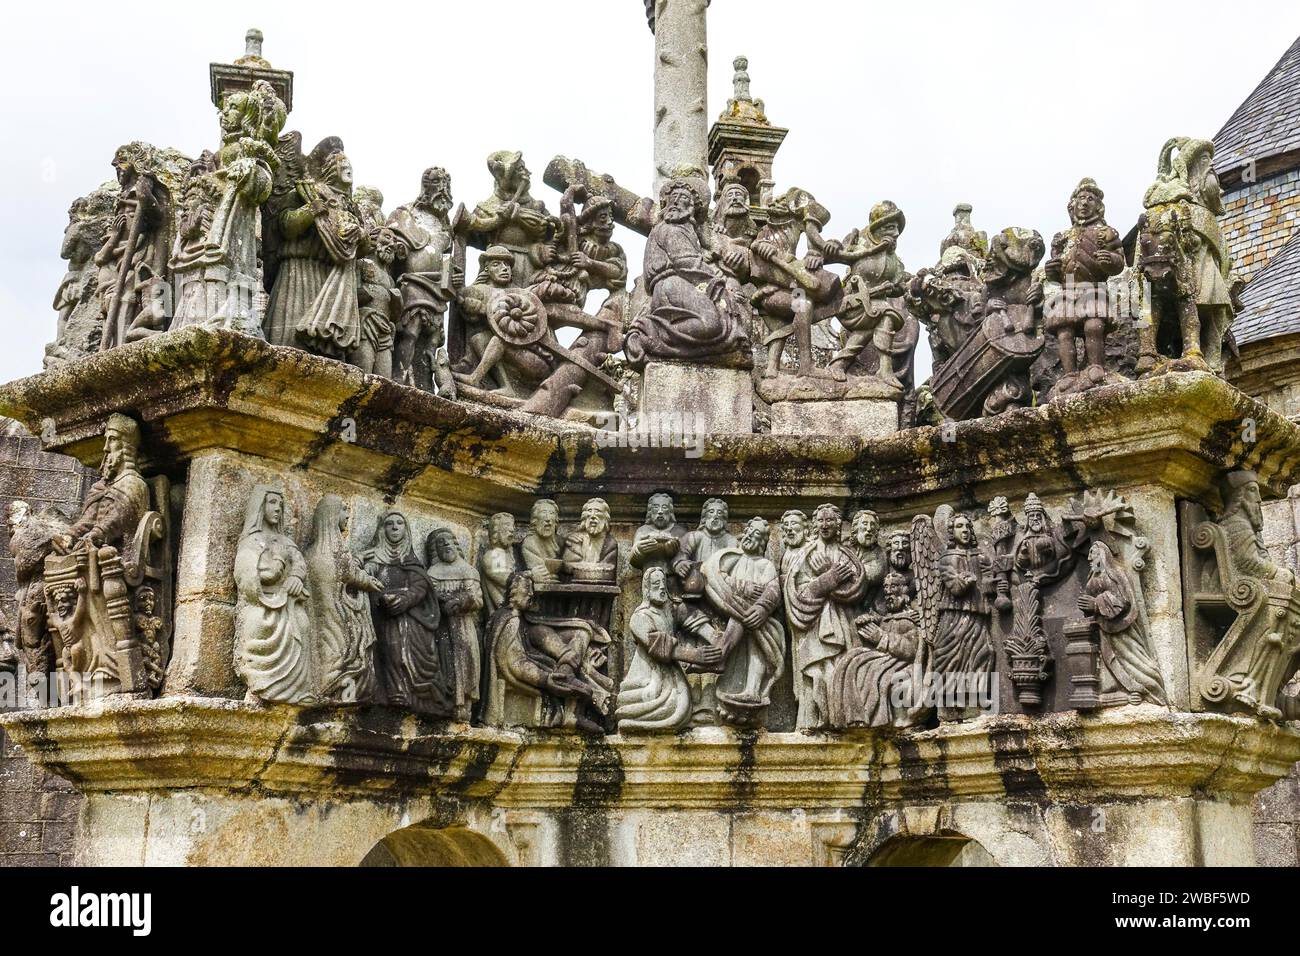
point(1015, 763)
point(584, 824)
point(741, 782)
point(919, 778)
point(334, 428)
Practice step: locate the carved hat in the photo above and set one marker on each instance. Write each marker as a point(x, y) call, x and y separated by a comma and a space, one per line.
point(124, 428)
point(502, 160)
point(798, 204)
point(497, 254)
point(1088, 185)
point(1034, 503)
point(883, 212)
point(594, 207)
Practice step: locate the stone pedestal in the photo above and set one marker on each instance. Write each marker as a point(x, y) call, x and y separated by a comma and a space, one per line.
point(703, 398)
point(860, 407)
point(861, 418)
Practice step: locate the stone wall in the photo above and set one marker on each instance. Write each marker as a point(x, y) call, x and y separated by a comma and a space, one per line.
point(1260, 218)
point(37, 809)
point(38, 812)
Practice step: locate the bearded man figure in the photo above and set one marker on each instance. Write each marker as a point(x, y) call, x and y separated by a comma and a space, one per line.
point(693, 313)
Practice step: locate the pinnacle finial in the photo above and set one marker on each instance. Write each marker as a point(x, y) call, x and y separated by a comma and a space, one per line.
point(253, 42)
point(740, 82)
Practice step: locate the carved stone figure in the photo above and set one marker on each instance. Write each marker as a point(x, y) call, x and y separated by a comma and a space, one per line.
point(699, 545)
point(8, 647)
point(1002, 539)
point(599, 256)
point(657, 542)
point(946, 299)
point(873, 312)
point(215, 265)
point(591, 551)
point(744, 588)
point(733, 224)
point(273, 633)
point(343, 629)
point(692, 313)
point(316, 238)
point(430, 275)
point(133, 259)
point(497, 561)
point(30, 541)
point(557, 664)
point(512, 218)
point(989, 372)
point(416, 668)
point(77, 300)
point(1041, 557)
point(777, 269)
point(794, 535)
point(149, 628)
point(1238, 591)
point(1113, 598)
point(823, 584)
point(379, 304)
point(655, 696)
point(953, 587)
point(964, 235)
point(1083, 258)
point(542, 544)
point(864, 539)
point(1184, 259)
point(460, 598)
point(878, 684)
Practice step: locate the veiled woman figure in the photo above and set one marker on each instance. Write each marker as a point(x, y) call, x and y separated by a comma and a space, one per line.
point(1115, 599)
point(343, 629)
point(272, 624)
point(655, 695)
point(415, 668)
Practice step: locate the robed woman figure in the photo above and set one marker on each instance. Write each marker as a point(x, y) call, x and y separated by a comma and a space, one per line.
point(272, 624)
point(416, 669)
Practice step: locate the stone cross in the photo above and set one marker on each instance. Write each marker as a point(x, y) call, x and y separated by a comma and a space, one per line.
point(681, 85)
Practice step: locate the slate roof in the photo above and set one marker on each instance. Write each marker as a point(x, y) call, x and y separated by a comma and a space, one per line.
point(1272, 299)
point(1268, 121)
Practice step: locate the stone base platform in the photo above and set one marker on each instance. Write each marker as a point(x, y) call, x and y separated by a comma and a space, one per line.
point(861, 418)
point(716, 401)
point(203, 781)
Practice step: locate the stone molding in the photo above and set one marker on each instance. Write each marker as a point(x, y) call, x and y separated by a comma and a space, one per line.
point(175, 744)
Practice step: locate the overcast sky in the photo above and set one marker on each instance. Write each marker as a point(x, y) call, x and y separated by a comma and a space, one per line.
point(926, 103)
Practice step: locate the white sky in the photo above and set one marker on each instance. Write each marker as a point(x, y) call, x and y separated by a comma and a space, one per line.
point(1005, 105)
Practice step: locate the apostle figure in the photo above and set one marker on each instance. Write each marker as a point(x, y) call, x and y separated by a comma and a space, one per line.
point(541, 545)
point(343, 630)
point(655, 696)
point(879, 683)
point(272, 620)
point(416, 670)
point(1114, 599)
point(692, 312)
point(794, 535)
point(744, 588)
point(658, 541)
point(701, 544)
point(460, 598)
point(497, 561)
point(823, 585)
point(591, 549)
point(864, 539)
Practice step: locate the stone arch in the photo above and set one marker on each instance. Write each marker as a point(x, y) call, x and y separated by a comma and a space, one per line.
point(424, 845)
point(942, 848)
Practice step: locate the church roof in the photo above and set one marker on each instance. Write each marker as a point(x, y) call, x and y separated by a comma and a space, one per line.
point(1272, 299)
point(1267, 123)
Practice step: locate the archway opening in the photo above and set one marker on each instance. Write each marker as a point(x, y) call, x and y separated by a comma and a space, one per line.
point(421, 845)
point(944, 849)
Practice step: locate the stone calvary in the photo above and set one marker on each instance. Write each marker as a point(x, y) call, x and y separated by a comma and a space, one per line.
point(361, 573)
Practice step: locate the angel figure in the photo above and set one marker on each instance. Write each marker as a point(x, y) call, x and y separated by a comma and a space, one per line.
point(953, 584)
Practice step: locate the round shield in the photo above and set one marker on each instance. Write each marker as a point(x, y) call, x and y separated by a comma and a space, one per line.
point(517, 316)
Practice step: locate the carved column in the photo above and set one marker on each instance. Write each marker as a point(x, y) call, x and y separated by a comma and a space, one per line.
point(681, 85)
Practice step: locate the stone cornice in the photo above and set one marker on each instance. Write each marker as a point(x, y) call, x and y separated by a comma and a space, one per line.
point(198, 743)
